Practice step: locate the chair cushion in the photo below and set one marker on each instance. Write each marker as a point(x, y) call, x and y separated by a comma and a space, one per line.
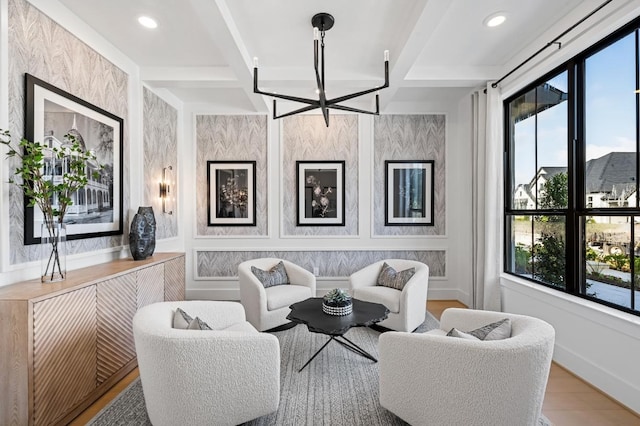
point(242, 327)
point(389, 297)
point(275, 276)
point(389, 277)
point(284, 295)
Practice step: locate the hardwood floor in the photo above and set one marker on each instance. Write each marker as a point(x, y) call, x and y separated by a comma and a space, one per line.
point(569, 401)
point(90, 412)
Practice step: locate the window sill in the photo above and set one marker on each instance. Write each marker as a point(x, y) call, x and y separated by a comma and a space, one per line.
point(590, 311)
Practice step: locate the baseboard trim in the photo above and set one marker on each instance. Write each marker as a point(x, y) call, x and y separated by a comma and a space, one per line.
point(602, 380)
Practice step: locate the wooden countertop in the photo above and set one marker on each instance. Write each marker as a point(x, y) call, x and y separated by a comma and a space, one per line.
point(33, 289)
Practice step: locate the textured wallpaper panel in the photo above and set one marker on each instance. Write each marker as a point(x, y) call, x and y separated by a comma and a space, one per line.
point(41, 47)
point(330, 263)
point(231, 138)
point(306, 137)
point(160, 150)
point(410, 137)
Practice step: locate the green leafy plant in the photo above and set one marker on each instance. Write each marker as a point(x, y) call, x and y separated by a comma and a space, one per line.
point(550, 260)
point(554, 193)
point(617, 261)
point(52, 192)
point(337, 297)
point(523, 259)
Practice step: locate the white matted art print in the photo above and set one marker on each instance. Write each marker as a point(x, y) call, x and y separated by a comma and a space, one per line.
point(231, 193)
point(52, 117)
point(320, 193)
point(409, 192)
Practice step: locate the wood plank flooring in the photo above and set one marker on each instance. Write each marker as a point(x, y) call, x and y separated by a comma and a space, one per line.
point(569, 401)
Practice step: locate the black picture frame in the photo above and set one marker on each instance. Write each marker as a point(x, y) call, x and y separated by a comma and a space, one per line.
point(409, 193)
point(51, 113)
point(231, 193)
point(320, 188)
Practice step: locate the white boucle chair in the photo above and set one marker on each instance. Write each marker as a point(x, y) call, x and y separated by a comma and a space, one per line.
point(224, 376)
point(407, 308)
point(433, 379)
point(267, 308)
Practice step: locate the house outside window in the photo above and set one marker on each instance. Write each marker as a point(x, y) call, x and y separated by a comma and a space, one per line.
point(572, 218)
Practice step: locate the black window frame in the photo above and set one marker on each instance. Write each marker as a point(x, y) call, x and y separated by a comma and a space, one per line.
point(577, 209)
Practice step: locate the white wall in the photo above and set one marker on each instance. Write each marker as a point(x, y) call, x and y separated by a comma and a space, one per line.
point(455, 242)
point(599, 344)
point(10, 273)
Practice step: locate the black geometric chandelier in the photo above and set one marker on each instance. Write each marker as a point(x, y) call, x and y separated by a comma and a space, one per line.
point(322, 22)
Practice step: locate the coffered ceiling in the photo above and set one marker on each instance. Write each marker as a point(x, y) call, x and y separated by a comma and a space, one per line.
point(202, 50)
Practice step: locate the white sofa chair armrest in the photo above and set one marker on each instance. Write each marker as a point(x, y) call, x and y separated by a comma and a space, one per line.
point(365, 277)
point(300, 276)
point(252, 293)
point(413, 298)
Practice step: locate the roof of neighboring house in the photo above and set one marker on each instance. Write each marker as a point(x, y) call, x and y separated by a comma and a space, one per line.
point(548, 172)
point(613, 173)
point(621, 191)
point(527, 189)
point(612, 169)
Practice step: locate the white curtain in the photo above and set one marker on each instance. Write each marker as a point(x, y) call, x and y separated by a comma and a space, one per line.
point(487, 197)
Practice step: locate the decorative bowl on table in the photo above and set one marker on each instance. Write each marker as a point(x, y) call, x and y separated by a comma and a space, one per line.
point(337, 302)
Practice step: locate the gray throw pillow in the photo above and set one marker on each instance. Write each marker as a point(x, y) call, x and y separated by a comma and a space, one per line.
point(495, 331)
point(198, 324)
point(181, 319)
point(389, 277)
point(454, 332)
point(275, 276)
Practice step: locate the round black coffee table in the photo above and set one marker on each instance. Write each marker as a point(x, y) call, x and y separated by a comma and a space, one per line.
point(364, 314)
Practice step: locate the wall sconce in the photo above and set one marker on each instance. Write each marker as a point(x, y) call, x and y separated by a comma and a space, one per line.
point(165, 189)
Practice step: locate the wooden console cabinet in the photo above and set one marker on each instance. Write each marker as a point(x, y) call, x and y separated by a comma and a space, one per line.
point(63, 345)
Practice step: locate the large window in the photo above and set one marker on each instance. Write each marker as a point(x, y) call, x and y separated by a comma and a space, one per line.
point(572, 215)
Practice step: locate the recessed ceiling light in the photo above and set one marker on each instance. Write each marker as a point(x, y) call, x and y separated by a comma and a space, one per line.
point(495, 19)
point(147, 22)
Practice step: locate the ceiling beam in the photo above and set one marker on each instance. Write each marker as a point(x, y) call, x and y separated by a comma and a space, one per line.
point(427, 17)
point(217, 19)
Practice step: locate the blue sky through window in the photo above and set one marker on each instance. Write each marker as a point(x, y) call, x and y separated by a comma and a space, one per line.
point(609, 118)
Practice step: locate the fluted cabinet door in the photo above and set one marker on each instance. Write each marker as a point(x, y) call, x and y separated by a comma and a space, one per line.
point(117, 305)
point(64, 353)
point(174, 279)
point(150, 288)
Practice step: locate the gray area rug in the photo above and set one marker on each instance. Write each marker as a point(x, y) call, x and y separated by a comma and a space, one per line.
point(339, 387)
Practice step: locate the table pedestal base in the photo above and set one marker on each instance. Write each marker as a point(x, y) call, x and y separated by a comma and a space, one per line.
point(347, 344)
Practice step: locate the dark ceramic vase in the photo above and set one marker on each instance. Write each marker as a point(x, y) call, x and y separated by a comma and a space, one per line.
point(142, 236)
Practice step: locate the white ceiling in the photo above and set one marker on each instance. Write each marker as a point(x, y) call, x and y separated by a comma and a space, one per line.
point(202, 50)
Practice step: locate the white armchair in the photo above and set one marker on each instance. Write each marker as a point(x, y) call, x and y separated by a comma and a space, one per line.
point(407, 308)
point(267, 308)
point(433, 379)
point(225, 377)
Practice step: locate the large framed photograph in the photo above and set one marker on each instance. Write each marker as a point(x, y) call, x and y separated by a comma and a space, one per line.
point(320, 193)
point(51, 116)
point(408, 192)
point(231, 194)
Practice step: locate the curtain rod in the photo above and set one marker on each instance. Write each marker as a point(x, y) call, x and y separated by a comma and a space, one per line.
point(552, 42)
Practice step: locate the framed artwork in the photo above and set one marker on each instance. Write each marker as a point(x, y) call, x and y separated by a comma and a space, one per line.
point(53, 114)
point(408, 192)
point(320, 193)
point(231, 194)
